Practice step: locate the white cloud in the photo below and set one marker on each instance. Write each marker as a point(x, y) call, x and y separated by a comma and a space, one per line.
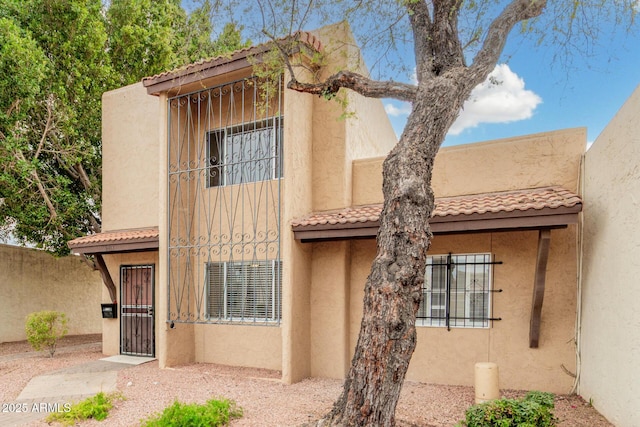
point(500, 99)
point(403, 110)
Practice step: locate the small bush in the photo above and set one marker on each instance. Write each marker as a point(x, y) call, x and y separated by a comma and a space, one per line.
point(211, 414)
point(45, 328)
point(96, 407)
point(534, 410)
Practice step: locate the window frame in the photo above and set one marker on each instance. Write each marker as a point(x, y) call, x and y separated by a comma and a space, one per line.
point(224, 313)
point(451, 292)
point(226, 135)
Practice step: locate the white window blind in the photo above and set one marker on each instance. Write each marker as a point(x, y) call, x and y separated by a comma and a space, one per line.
point(244, 291)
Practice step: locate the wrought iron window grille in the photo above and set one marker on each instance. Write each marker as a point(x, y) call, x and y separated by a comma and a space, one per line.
point(225, 149)
point(249, 152)
point(457, 291)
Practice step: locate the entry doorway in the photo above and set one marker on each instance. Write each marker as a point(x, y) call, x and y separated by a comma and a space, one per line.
point(137, 337)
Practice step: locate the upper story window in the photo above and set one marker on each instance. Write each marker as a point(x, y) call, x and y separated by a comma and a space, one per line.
point(457, 291)
point(250, 152)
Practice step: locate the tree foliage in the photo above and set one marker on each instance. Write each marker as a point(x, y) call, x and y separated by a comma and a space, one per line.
point(57, 57)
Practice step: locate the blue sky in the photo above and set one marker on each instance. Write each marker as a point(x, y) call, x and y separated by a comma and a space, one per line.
point(537, 94)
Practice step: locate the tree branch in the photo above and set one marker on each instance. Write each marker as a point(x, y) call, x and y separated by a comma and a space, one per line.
point(41, 189)
point(358, 83)
point(420, 20)
point(447, 50)
point(489, 54)
point(47, 127)
point(14, 105)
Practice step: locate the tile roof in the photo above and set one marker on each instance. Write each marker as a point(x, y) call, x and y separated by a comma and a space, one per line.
point(304, 37)
point(529, 200)
point(109, 240)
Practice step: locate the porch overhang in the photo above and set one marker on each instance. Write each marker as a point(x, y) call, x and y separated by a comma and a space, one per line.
point(118, 241)
point(541, 209)
point(528, 209)
point(113, 242)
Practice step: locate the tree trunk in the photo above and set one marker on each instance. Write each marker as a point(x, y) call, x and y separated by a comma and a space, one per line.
point(393, 290)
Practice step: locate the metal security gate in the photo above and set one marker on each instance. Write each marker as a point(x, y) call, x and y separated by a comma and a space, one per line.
point(136, 310)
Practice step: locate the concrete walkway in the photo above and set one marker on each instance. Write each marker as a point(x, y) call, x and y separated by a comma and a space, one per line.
point(54, 391)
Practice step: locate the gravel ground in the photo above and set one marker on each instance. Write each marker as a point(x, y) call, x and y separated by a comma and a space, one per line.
point(266, 402)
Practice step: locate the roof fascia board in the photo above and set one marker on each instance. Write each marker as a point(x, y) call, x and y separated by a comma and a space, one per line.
point(194, 76)
point(110, 248)
point(209, 69)
point(370, 229)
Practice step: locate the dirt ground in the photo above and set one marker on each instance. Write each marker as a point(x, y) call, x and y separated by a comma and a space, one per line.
point(265, 400)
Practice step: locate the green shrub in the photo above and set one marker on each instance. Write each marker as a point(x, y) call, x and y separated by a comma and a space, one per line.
point(45, 328)
point(96, 407)
point(211, 414)
point(534, 410)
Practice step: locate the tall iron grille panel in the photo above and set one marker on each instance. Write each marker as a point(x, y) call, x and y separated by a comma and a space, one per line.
point(224, 204)
point(136, 310)
point(457, 291)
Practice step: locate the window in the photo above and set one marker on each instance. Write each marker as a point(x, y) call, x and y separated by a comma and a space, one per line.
point(246, 153)
point(244, 291)
point(456, 291)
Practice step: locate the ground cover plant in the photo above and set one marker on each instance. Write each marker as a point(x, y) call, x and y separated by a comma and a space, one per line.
point(211, 414)
point(45, 328)
point(96, 407)
point(535, 409)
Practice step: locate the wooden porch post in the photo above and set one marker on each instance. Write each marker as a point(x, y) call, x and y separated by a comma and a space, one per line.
point(106, 277)
point(544, 238)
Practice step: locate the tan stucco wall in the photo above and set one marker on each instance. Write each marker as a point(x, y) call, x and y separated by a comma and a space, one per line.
point(319, 154)
point(448, 357)
point(239, 345)
point(297, 200)
point(130, 148)
point(343, 134)
point(538, 160)
point(32, 280)
point(610, 339)
point(330, 300)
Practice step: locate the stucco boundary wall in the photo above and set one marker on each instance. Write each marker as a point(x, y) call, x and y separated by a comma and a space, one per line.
point(32, 280)
point(610, 318)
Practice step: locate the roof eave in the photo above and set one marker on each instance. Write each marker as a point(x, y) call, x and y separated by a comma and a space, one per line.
point(207, 69)
point(146, 244)
point(223, 64)
point(531, 219)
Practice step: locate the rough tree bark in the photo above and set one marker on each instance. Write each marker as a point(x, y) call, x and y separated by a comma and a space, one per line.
point(393, 289)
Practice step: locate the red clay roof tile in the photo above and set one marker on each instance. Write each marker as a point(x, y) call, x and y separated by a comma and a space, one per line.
point(116, 237)
point(499, 202)
point(303, 36)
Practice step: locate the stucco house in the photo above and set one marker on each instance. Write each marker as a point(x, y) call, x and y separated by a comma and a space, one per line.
point(240, 219)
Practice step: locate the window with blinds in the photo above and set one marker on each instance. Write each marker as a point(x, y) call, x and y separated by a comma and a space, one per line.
point(246, 292)
point(457, 291)
point(246, 153)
